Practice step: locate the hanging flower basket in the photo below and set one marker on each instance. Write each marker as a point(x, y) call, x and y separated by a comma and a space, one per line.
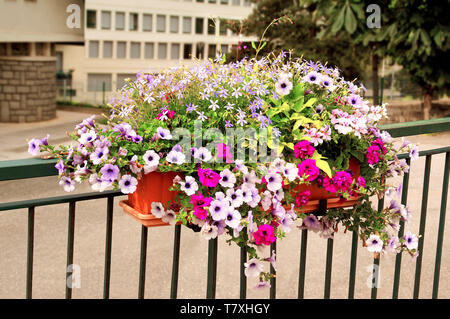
point(249, 150)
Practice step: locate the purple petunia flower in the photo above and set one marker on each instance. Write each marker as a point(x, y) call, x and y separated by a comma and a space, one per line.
point(110, 172)
point(33, 146)
point(128, 184)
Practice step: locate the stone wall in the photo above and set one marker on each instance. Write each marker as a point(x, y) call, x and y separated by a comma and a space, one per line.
point(27, 89)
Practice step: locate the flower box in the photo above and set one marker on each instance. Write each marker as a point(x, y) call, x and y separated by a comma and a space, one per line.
point(260, 147)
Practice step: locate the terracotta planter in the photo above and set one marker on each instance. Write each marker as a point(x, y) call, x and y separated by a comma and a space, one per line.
point(318, 194)
point(152, 187)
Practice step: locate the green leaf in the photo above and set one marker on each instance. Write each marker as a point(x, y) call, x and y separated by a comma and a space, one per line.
point(310, 102)
point(253, 45)
point(350, 20)
point(324, 166)
point(339, 21)
point(298, 106)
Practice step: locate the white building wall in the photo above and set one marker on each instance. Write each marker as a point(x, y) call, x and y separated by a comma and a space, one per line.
point(77, 58)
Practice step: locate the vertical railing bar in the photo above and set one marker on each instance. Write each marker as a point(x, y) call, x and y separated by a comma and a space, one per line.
point(398, 258)
point(175, 262)
point(108, 246)
point(212, 269)
point(143, 262)
point(243, 277)
point(70, 245)
point(423, 216)
point(437, 265)
point(376, 261)
point(328, 269)
point(30, 252)
point(302, 269)
point(353, 258)
point(273, 280)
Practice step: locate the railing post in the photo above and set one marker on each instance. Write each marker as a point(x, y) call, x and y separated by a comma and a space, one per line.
point(108, 246)
point(143, 262)
point(212, 269)
point(273, 281)
point(243, 278)
point(175, 262)
point(70, 245)
point(30, 249)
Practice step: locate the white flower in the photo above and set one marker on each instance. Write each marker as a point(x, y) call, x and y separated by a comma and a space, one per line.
point(128, 184)
point(157, 209)
point(170, 217)
point(67, 184)
point(227, 178)
point(97, 184)
point(87, 138)
point(246, 193)
point(274, 181)
point(209, 231)
point(290, 171)
point(233, 218)
point(411, 241)
point(151, 158)
point(190, 186)
point(266, 202)
point(176, 157)
point(203, 154)
point(218, 209)
point(235, 197)
point(374, 244)
point(240, 166)
point(250, 179)
point(253, 267)
point(163, 133)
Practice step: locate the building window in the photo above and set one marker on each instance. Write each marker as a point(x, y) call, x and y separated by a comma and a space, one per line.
point(223, 1)
point(174, 24)
point(200, 51)
point(3, 49)
point(175, 51)
point(134, 21)
point(121, 77)
point(222, 27)
point(147, 22)
point(96, 82)
point(212, 51)
point(93, 49)
point(212, 1)
point(247, 3)
point(201, 1)
point(187, 52)
point(91, 19)
point(211, 27)
point(120, 21)
point(236, 2)
point(224, 48)
point(199, 25)
point(135, 50)
point(40, 48)
point(107, 49)
point(149, 50)
point(187, 24)
point(20, 49)
point(121, 50)
point(106, 20)
point(160, 23)
point(162, 51)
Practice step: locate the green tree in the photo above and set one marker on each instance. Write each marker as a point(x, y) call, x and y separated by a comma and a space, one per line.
point(419, 39)
point(301, 35)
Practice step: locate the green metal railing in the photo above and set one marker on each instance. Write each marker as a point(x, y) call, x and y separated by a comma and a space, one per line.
point(31, 168)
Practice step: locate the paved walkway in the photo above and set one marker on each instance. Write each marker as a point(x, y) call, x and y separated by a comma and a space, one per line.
point(51, 243)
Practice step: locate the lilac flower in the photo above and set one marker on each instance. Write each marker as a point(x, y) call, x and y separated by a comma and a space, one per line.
point(229, 106)
point(99, 155)
point(228, 124)
point(227, 178)
point(414, 152)
point(128, 184)
point(253, 267)
point(44, 141)
point(202, 116)
point(60, 167)
point(374, 244)
point(272, 260)
point(311, 222)
point(189, 186)
point(262, 285)
point(33, 146)
point(191, 108)
point(286, 223)
point(213, 106)
point(233, 218)
point(411, 241)
point(67, 183)
point(109, 172)
point(393, 244)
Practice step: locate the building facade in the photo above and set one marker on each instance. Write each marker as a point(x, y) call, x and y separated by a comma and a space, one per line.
point(29, 32)
point(123, 38)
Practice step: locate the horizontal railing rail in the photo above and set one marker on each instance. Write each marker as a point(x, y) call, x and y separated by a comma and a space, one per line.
point(32, 168)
